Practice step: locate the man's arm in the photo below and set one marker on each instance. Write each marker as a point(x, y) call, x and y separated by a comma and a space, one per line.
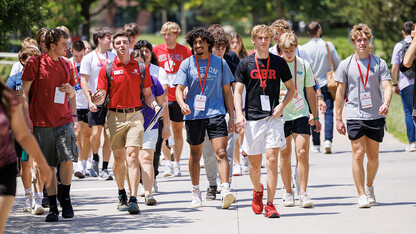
point(179, 98)
point(395, 75)
point(228, 98)
point(339, 105)
point(409, 57)
point(84, 85)
point(290, 86)
point(384, 109)
point(166, 121)
point(312, 100)
point(73, 104)
point(238, 105)
point(25, 96)
point(150, 99)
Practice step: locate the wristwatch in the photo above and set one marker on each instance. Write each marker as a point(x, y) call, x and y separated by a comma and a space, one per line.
point(321, 96)
point(394, 84)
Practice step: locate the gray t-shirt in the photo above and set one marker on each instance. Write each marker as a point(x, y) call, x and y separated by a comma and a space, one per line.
point(377, 73)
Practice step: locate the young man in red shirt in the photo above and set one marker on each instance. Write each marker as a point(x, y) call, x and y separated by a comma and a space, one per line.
point(170, 56)
point(124, 123)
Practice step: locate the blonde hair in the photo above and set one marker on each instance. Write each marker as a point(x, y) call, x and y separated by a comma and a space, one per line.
point(65, 29)
point(170, 27)
point(358, 29)
point(281, 24)
point(29, 42)
point(242, 53)
point(261, 29)
point(288, 41)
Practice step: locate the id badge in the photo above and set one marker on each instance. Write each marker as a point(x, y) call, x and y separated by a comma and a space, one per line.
point(200, 101)
point(59, 96)
point(365, 99)
point(171, 78)
point(265, 103)
point(299, 103)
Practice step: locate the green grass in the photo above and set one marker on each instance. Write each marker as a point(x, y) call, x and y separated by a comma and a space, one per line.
point(395, 119)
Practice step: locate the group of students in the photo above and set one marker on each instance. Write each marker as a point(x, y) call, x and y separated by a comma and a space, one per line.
point(227, 99)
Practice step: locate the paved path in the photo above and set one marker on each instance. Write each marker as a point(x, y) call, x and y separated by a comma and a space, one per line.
point(331, 186)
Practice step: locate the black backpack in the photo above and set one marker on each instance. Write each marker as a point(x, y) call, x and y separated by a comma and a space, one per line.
point(410, 73)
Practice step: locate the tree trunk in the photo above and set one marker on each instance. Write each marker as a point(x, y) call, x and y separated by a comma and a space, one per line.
point(183, 18)
point(85, 12)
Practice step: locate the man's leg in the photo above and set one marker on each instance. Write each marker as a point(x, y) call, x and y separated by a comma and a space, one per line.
point(210, 161)
point(132, 153)
point(271, 165)
point(329, 119)
point(407, 97)
point(146, 163)
point(372, 151)
point(177, 128)
point(285, 165)
point(358, 151)
point(95, 146)
point(220, 150)
point(302, 155)
point(106, 152)
point(6, 204)
point(254, 162)
point(194, 167)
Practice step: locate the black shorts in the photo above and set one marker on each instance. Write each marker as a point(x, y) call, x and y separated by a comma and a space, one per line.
point(97, 118)
point(195, 129)
point(83, 115)
point(8, 179)
point(298, 126)
point(175, 113)
point(373, 129)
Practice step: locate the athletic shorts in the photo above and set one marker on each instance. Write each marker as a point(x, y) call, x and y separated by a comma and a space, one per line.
point(124, 130)
point(82, 115)
point(150, 139)
point(58, 144)
point(373, 129)
point(97, 118)
point(195, 129)
point(175, 112)
point(266, 133)
point(298, 126)
point(8, 175)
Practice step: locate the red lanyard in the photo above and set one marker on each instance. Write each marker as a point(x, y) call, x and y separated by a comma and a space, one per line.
point(76, 72)
point(199, 73)
point(263, 85)
point(101, 60)
point(368, 69)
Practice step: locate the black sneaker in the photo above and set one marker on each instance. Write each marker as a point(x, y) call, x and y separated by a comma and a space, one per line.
point(133, 208)
point(211, 193)
point(67, 210)
point(53, 216)
point(122, 202)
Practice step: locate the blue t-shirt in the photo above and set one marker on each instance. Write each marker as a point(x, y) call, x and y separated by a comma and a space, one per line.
point(219, 74)
point(157, 90)
point(15, 82)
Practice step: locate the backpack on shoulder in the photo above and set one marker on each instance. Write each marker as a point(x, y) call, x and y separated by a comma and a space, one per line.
point(410, 73)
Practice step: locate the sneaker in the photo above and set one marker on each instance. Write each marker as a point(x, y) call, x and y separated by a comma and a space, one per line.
point(363, 202)
point(155, 189)
point(305, 200)
point(176, 169)
point(122, 202)
point(327, 147)
point(86, 171)
point(411, 147)
point(38, 209)
point(28, 203)
point(79, 172)
point(196, 199)
point(288, 199)
point(211, 193)
point(89, 163)
point(270, 211)
point(105, 175)
point(244, 162)
point(149, 200)
point(237, 170)
point(201, 163)
point(141, 190)
point(52, 217)
point(67, 210)
point(133, 207)
point(168, 168)
point(316, 149)
point(257, 203)
point(94, 169)
point(218, 185)
point(370, 194)
point(227, 198)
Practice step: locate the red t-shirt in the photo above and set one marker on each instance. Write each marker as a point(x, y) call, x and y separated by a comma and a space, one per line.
point(125, 85)
point(170, 60)
point(43, 110)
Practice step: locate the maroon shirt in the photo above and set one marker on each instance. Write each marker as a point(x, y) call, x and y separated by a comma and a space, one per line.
point(7, 152)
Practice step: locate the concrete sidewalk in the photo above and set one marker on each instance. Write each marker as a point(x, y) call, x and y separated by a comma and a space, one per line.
point(331, 187)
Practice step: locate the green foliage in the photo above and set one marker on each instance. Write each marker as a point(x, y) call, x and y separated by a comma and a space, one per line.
point(395, 119)
point(64, 12)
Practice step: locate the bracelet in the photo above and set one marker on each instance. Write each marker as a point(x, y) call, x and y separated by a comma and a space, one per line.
point(321, 96)
point(231, 119)
point(315, 119)
point(395, 85)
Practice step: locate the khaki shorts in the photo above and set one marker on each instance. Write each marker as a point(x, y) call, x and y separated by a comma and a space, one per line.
point(124, 130)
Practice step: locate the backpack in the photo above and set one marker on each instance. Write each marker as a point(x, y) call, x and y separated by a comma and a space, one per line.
point(410, 73)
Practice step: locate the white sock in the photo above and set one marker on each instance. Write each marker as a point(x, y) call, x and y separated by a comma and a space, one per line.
point(28, 191)
point(225, 186)
point(176, 164)
point(40, 194)
point(168, 162)
point(195, 187)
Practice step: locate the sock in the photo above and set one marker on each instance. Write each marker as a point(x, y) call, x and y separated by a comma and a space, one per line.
point(65, 191)
point(225, 186)
point(122, 192)
point(176, 164)
point(195, 187)
point(28, 191)
point(105, 165)
point(84, 163)
point(52, 204)
point(95, 157)
point(39, 194)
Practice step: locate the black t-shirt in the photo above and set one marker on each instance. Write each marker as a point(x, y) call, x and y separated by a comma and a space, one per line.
point(232, 56)
point(403, 69)
point(247, 74)
point(232, 66)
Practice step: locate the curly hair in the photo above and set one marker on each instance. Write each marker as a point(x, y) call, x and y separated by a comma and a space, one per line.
point(358, 29)
point(202, 33)
point(145, 43)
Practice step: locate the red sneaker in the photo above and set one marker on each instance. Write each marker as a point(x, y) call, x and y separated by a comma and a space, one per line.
point(270, 211)
point(257, 203)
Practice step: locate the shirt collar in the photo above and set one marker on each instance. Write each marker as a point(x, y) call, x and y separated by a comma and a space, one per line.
point(118, 63)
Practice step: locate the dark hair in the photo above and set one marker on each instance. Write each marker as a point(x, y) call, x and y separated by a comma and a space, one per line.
point(216, 28)
point(5, 99)
point(78, 45)
point(221, 39)
point(120, 34)
point(202, 33)
point(137, 54)
point(407, 27)
point(100, 33)
point(142, 43)
point(39, 35)
point(52, 36)
point(132, 29)
point(313, 28)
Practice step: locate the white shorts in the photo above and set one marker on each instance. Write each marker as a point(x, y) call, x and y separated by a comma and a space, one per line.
point(150, 139)
point(267, 133)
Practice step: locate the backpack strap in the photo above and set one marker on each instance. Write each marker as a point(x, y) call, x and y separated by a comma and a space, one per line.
point(109, 75)
point(142, 70)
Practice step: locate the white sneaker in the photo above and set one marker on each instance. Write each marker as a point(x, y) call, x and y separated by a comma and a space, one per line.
point(176, 169)
point(411, 147)
point(38, 209)
point(28, 203)
point(168, 168)
point(244, 163)
point(288, 199)
point(305, 201)
point(227, 198)
point(79, 172)
point(327, 147)
point(155, 189)
point(316, 149)
point(89, 163)
point(196, 198)
point(201, 163)
point(370, 194)
point(141, 190)
point(363, 202)
point(237, 170)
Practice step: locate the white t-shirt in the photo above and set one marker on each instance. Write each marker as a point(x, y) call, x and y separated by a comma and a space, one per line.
point(82, 102)
point(91, 66)
point(299, 52)
point(159, 73)
point(17, 67)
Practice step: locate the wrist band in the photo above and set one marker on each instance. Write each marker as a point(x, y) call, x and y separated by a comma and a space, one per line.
point(394, 84)
point(74, 115)
point(315, 119)
point(232, 119)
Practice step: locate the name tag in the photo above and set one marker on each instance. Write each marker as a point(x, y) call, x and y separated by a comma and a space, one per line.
point(365, 99)
point(118, 72)
point(265, 103)
point(299, 103)
point(59, 96)
point(200, 101)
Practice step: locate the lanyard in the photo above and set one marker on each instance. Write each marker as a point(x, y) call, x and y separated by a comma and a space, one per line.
point(263, 85)
point(296, 72)
point(101, 60)
point(368, 69)
point(76, 72)
point(199, 73)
